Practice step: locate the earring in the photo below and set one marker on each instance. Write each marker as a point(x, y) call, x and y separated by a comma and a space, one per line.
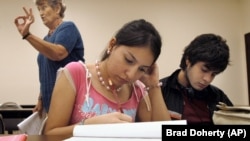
point(108, 51)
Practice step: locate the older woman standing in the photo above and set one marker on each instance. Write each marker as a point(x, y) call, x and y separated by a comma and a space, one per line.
point(62, 44)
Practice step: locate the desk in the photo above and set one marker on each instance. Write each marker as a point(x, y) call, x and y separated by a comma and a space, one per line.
point(46, 138)
point(13, 116)
point(17, 113)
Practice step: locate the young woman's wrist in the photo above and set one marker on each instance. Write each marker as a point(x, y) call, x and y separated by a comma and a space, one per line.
point(149, 87)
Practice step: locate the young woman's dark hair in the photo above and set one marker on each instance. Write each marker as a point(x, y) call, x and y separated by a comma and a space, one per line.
point(138, 33)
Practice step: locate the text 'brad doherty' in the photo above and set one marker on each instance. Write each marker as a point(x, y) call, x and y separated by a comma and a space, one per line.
point(206, 133)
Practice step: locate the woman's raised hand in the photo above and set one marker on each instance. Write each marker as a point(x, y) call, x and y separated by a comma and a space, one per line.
point(23, 22)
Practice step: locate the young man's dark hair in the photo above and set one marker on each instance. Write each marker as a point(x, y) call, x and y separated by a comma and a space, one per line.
point(209, 48)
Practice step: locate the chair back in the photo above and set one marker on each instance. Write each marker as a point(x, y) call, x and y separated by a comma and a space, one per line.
point(10, 105)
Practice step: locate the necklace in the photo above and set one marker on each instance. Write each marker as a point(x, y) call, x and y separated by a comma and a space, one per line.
point(108, 87)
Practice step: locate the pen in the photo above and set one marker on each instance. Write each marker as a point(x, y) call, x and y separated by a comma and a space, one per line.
point(121, 109)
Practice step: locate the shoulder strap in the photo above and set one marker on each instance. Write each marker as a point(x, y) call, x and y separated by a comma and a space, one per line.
point(88, 82)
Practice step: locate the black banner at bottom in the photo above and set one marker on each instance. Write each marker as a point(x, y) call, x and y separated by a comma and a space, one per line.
point(216, 132)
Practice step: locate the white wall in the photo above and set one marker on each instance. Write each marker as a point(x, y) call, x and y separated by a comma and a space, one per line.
point(178, 21)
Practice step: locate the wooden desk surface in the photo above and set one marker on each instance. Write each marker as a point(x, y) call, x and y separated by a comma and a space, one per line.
point(46, 138)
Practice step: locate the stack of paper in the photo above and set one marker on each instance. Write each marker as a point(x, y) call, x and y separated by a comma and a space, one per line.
point(33, 124)
point(122, 131)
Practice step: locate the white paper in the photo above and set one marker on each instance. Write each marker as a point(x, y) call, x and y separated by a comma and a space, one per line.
point(33, 124)
point(109, 139)
point(138, 130)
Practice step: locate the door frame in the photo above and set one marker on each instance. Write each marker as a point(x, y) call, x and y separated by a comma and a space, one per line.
point(247, 48)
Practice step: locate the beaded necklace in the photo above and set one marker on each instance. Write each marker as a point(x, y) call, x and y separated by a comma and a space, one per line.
point(109, 87)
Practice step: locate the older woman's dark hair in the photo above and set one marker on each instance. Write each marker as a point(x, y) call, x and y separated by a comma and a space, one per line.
point(138, 33)
point(53, 4)
point(209, 48)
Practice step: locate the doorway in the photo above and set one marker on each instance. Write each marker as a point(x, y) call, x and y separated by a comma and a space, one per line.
point(247, 45)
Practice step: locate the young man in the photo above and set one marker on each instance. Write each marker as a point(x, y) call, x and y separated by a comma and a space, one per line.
point(188, 92)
